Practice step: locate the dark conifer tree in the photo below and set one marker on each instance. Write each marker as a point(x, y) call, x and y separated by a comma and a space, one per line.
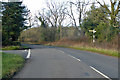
point(13, 21)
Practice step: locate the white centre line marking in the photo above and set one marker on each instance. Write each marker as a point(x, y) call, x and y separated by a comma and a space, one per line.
point(29, 53)
point(70, 55)
point(100, 73)
point(61, 51)
point(74, 57)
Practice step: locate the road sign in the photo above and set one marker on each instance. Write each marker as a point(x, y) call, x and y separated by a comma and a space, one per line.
point(94, 31)
point(93, 34)
point(90, 30)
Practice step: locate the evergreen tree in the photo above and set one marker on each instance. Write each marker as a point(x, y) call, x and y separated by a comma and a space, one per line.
point(94, 18)
point(13, 21)
point(113, 11)
point(98, 19)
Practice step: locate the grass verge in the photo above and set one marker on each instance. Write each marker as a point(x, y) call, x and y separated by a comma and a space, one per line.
point(113, 53)
point(14, 47)
point(11, 63)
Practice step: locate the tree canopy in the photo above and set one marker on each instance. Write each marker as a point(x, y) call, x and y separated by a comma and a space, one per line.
point(113, 11)
point(13, 21)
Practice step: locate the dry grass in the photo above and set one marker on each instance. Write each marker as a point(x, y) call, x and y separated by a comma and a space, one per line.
point(86, 42)
point(107, 48)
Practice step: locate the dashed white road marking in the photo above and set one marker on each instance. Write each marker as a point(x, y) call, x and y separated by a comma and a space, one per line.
point(29, 53)
point(74, 57)
point(100, 73)
point(61, 51)
point(90, 67)
point(70, 55)
point(25, 50)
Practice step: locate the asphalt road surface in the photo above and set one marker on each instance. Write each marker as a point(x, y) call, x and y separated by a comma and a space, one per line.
point(23, 53)
point(56, 62)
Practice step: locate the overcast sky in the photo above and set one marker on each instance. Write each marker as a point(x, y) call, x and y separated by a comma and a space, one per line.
point(36, 5)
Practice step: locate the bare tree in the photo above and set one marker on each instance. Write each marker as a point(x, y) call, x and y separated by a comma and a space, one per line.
point(56, 13)
point(52, 13)
point(113, 12)
point(62, 16)
point(80, 9)
point(42, 18)
point(72, 14)
point(30, 19)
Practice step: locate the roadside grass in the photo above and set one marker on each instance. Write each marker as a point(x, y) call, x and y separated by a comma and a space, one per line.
point(98, 50)
point(14, 47)
point(113, 53)
point(11, 63)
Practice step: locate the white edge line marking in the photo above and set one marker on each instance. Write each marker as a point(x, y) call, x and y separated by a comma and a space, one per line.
point(100, 73)
point(29, 53)
point(75, 58)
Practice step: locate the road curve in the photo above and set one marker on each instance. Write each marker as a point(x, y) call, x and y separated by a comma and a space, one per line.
point(55, 62)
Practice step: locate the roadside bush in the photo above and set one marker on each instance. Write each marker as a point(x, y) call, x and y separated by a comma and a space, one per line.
point(49, 34)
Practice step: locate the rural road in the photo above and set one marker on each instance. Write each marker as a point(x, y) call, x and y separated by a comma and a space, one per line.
point(23, 53)
point(56, 62)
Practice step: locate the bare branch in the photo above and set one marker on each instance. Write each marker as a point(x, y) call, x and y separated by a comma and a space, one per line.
point(117, 10)
point(104, 6)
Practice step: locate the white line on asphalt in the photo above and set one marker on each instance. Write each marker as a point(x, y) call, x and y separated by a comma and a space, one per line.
point(29, 53)
point(70, 55)
point(100, 73)
point(61, 51)
point(74, 57)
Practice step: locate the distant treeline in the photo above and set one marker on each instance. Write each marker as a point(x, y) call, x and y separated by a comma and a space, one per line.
point(103, 19)
point(96, 18)
point(50, 34)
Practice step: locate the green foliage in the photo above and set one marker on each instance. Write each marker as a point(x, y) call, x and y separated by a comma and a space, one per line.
point(39, 34)
point(49, 34)
point(43, 22)
point(113, 11)
point(98, 19)
point(14, 47)
point(94, 17)
point(105, 32)
point(13, 21)
point(11, 63)
point(11, 48)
